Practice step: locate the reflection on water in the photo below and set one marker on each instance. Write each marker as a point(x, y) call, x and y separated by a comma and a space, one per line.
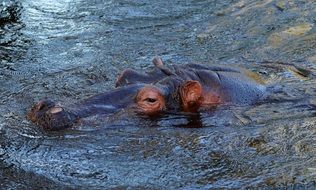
point(42, 18)
point(70, 50)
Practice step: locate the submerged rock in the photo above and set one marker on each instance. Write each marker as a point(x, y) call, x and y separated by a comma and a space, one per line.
point(278, 38)
point(299, 29)
point(13, 43)
point(9, 12)
point(312, 59)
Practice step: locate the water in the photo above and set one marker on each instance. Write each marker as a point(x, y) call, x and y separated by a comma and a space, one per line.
point(70, 50)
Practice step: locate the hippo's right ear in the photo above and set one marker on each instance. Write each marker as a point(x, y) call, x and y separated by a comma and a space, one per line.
point(157, 61)
point(191, 96)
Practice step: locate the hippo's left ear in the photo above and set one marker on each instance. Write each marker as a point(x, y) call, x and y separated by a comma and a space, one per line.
point(191, 96)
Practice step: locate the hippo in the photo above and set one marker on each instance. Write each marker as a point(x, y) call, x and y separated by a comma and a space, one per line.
point(184, 88)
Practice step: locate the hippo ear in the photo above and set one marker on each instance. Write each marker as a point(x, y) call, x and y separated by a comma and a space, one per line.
point(157, 61)
point(191, 96)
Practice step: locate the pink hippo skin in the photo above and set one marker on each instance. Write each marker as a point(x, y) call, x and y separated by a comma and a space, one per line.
point(185, 88)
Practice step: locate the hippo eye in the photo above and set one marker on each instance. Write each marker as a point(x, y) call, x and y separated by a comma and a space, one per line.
point(150, 100)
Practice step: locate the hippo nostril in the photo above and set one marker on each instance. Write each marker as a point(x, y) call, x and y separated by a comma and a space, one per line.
point(44, 104)
point(40, 105)
point(55, 110)
point(191, 103)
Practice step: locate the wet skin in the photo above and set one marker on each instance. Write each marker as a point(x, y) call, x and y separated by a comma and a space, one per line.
point(185, 88)
point(200, 85)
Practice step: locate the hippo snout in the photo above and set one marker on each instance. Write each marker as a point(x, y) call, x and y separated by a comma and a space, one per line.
point(39, 109)
point(50, 116)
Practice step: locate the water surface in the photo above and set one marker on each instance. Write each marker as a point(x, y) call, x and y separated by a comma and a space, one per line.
point(70, 50)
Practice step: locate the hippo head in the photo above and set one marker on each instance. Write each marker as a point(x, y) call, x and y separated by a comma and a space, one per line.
point(51, 116)
point(184, 88)
point(143, 99)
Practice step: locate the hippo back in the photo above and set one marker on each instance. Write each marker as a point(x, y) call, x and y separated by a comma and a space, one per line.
point(233, 84)
point(244, 87)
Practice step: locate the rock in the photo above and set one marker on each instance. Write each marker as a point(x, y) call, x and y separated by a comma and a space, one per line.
point(304, 145)
point(313, 102)
point(9, 12)
point(202, 38)
point(206, 35)
point(281, 5)
point(298, 30)
point(300, 72)
point(220, 13)
point(312, 59)
point(276, 39)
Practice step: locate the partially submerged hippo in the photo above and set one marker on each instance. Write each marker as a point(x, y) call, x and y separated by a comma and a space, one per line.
point(185, 88)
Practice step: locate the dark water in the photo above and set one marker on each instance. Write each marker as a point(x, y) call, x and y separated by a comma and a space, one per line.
point(69, 50)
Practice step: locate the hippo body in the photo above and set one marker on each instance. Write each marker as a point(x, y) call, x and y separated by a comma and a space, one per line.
point(179, 88)
point(232, 84)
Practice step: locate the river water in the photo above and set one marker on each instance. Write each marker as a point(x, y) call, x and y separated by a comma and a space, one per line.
point(68, 50)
